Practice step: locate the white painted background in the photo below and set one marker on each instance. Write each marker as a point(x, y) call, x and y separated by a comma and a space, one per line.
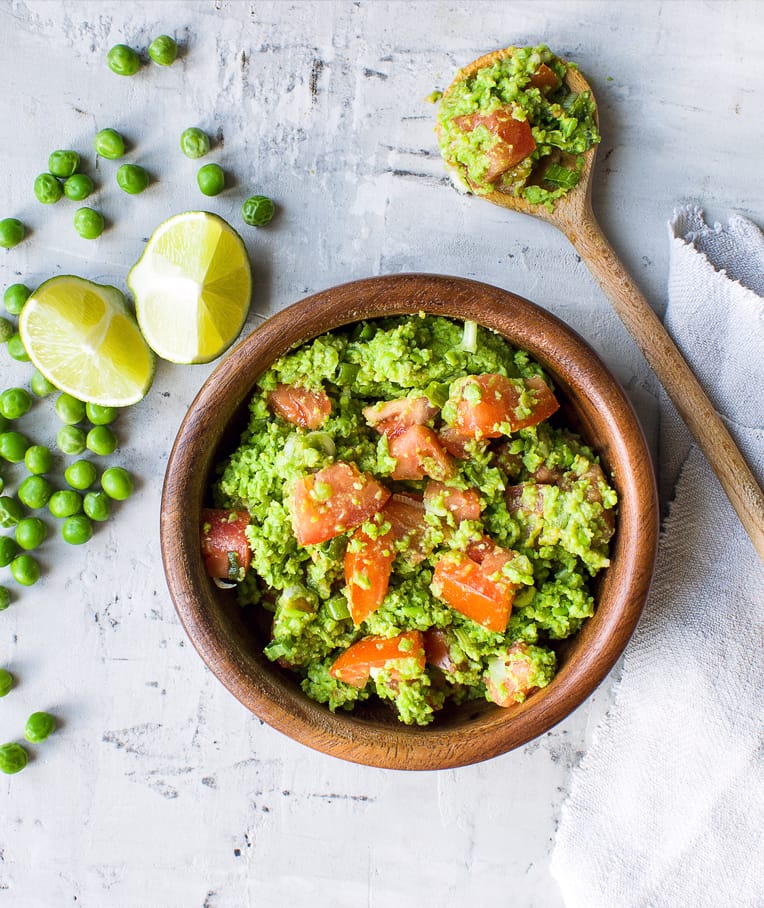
point(159, 789)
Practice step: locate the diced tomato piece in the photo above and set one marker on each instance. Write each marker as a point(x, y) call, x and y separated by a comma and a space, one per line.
point(332, 501)
point(372, 654)
point(473, 589)
point(515, 137)
point(418, 454)
point(516, 498)
point(225, 547)
point(303, 408)
point(464, 504)
point(545, 78)
point(437, 651)
point(368, 563)
point(486, 404)
point(406, 516)
point(393, 416)
point(454, 442)
point(508, 676)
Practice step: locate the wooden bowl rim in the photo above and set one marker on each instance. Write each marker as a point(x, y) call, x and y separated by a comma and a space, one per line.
point(565, 354)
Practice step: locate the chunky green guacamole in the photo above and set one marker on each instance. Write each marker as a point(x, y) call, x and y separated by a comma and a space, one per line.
point(516, 127)
point(482, 540)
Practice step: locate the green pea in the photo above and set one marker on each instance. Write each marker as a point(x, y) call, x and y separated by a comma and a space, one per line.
point(38, 459)
point(101, 416)
point(34, 492)
point(163, 50)
point(78, 187)
point(40, 384)
point(81, 474)
point(25, 570)
point(16, 348)
point(15, 402)
point(11, 232)
point(8, 550)
point(211, 179)
point(13, 446)
point(6, 682)
point(70, 440)
point(39, 726)
point(101, 440)
point(77, 530)
point(97, 505)
point(7, 330)
point(14, 298)
point(30, 533)
point(194, 142)
point(70, 410)
point(13, 758)
point(117, 483)
point(48, 189)
point(89, 223)
point(5, 600)
point(65, 503)
point(63, 163)
point(123, 60)
point(108, 143)
point(132, 178)
point(258, 211)
point(10, 511)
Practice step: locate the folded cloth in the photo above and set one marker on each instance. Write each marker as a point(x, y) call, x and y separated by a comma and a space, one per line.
point(667, 806)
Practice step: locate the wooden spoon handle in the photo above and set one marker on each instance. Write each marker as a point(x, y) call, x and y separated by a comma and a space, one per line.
point(675, 375)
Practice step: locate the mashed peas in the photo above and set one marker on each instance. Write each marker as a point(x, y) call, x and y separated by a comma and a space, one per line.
point(415, 517)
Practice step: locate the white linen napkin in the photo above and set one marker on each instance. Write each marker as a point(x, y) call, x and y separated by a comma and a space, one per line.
point(667, 806)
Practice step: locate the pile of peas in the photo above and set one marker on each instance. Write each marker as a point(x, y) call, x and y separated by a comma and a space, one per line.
point(39, 726)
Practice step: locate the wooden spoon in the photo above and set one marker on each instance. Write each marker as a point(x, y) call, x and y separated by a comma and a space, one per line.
point(573, 215)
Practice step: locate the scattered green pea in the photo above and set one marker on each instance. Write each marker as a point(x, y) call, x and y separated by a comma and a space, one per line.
point(163, 50)
point(8, 550)
point(99, 415)
point(6, 682)
point(48, 189)
point(81, 474)
point(15, 403)
point(123, 60)
point(97, 505)
point(38, 459)
point(78, 187)
point(30, 533)
point(25, 570)
point(11, 232)
point(258, 211)
point(34, 492)
point(77, 530)
point(65, 503)
point(89, 223)
point(70, 410)
point(13, 446)
point(5, 600)
point(39, 726)
point(14, 298)
point(71, 440)
point(132, 178)
point(16, 348)
point(101, 440)
point(117, 483)
point(13, 758)
point(40, 384)
point(10, 511)
point(194, 142)
point(211, 179)
point(108, 143)
point(63, 163)
point(7, 330)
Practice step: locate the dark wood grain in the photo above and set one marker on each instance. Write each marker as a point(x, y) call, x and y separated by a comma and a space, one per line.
point(474, 731)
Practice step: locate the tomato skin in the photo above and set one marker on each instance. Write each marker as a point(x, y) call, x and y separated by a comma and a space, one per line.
point(358, 662)
point(486, 404)
point(406, 516)
point(368, 563)
point(471, 588)
point(437, 651)
point(515, 137)
point(333, 500)
point(464, 504)
point(418, 454)
point(454, 442)
point(507, 678)
point(222, 532)
point(393, 416)
point(545, 79)
point(303, 408)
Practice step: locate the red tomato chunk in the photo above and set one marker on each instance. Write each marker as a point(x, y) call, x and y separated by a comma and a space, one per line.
point(373, 654)
point(418, 454)
point(508, 676)
point(303, 408)
point(225, 548)
point(487, 405)
point(368, 563)
point(464, 504)
point(474, 589)
point(515, 139)
point(406, 516)
point(393, 416)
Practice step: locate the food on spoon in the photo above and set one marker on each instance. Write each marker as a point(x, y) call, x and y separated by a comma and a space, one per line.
point(400, 570)
point(515, 126)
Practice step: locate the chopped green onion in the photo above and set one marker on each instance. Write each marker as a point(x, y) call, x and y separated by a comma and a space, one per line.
point(561, 176)
point(469, 338)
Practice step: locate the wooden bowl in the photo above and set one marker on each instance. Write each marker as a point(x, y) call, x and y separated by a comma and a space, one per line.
point(230, 643)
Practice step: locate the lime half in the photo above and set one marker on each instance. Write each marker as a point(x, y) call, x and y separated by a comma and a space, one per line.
point(192, 287)
point(83, 338)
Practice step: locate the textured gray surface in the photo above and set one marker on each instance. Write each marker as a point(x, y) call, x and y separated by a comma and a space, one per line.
point(160, 789)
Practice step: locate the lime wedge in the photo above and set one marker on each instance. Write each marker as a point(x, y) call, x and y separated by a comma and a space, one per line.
point(84, 339)
point(192, 287)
